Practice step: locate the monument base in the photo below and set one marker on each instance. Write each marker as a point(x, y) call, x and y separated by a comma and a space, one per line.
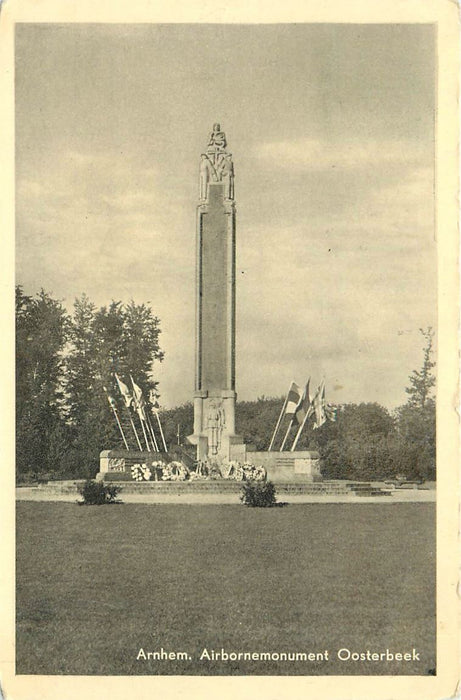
point(286, 467)
point(281, 467)
point(214, 427)
point(231, 448)
point(115, 465)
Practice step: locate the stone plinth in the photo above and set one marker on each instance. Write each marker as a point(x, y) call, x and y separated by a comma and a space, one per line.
point(287, 467)
point(115, 465)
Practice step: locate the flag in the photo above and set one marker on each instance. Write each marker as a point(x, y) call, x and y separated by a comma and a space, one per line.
point(125, 392)
point(139, 402)
point(111, 400)
point(304, 408)
point(293, 398)
point(319, 406)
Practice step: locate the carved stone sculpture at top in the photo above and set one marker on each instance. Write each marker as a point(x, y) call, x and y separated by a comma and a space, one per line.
point(217, 139)
point(216, 165)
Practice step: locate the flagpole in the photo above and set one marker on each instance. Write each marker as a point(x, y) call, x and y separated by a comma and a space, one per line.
point(114, 410)
point(144, 433)
point(149, 434)
point(299, 431)
point(134, 429)
point(278, 423)
point(161, 431)
point(120, 426)
point(128, 399)
point(138, 404)
point(152, 434)
point(286, 435)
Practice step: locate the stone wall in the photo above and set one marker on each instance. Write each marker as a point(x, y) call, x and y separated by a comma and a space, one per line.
point(116, 464)
point(302, 466)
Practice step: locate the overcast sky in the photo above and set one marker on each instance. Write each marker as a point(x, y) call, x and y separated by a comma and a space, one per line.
point(332, 133)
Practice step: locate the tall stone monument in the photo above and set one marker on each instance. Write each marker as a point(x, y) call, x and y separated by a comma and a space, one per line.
point(214, 397)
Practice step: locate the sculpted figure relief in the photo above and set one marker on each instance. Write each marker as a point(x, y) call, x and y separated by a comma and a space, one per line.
point(216, 420)
point(217, 139)
point(216, 165)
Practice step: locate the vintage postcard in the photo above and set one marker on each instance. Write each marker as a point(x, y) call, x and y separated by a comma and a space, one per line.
point(230, 376)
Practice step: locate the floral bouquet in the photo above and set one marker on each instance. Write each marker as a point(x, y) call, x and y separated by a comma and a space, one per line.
point(239, 473)
point(140, 472)
point(201, 471)
point(167, 472)
point(214, 472)
point(179, 471)
point(157, 469)
point(228, 469)
point(252, 473)
point(259, 473)
point(234, 471)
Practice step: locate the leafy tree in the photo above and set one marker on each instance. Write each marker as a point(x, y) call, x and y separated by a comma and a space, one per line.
point(356, 446)
point(81, 359)
point(63, 364)
point(141, 330)
point(256, 420)
point(114, 339)
point(41, 332)
point(416, 420)
point(423, 381)
point(182, 416)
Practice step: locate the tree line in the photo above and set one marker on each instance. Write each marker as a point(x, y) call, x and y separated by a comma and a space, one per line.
point(65, 371)
point(366, 441)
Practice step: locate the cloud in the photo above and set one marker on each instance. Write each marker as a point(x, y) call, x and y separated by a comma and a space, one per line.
point(330, 266)
point(305, 154)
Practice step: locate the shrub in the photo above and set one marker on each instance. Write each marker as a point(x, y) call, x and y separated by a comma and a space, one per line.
point(95, 493)
point(258, 494)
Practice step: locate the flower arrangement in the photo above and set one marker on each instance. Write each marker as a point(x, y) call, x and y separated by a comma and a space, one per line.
point(177, 471)
point(260, 473)
point(140, 472)
point(202, 469)
point(229, 469)
point(174, 471)
point(252, 473)
point(244, 472)
point(214, 472)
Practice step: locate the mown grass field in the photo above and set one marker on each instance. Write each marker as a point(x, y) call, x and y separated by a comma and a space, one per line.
point(97, 584)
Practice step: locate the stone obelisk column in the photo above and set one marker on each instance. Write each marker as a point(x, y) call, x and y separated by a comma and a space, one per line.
point(214, 397)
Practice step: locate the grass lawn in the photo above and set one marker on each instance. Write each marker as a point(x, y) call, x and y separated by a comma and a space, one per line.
point(97, 584)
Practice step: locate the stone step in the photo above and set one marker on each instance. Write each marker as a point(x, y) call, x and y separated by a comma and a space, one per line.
point(213, 486)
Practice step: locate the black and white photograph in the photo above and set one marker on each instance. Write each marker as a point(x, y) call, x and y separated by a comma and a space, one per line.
point(234, 354)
